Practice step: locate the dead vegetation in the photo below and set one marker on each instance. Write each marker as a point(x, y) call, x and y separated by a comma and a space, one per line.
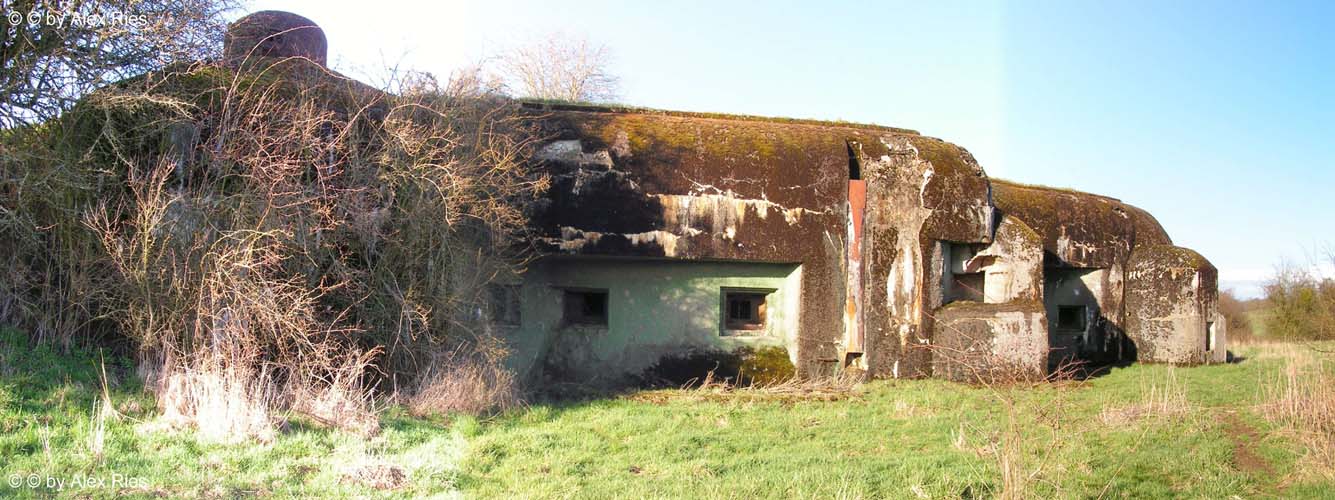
point(279, 241)
point(1163, 401)
point(378, 475)
point(1302, 400)
point(1235, 312)
point(470, 380)
point(49, 66)
point(714, 387)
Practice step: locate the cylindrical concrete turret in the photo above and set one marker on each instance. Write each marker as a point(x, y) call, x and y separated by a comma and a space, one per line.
point(274, 34)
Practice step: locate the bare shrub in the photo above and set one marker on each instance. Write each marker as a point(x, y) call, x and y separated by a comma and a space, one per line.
point(561, 67)
point(274, 241)
point(48, 66)
point(1301, 301)
point(339, 397)
point(1022, 448)
point(468, 379)
point(1235, 312)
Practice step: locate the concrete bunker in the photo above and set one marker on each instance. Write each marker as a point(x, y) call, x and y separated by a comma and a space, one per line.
point(843, 247)
point(902, 258)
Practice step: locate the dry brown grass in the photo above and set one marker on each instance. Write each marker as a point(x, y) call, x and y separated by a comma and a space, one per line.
point(468, 380)
point(375, 474)
point(840, 386)
point(1302, 400)
point(1163, 401)
point(844, 385)
point(223, 405)
point(1013, 448)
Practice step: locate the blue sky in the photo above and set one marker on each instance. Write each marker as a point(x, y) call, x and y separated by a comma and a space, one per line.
point(1217, 117)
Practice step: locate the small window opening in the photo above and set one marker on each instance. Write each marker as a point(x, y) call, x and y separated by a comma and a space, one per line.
point(744, 310)
point(586, 307)
point(1071, 318)
point(504, 304)
point(1209, 336)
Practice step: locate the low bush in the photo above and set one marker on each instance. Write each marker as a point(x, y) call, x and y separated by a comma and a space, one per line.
point(1301, 304)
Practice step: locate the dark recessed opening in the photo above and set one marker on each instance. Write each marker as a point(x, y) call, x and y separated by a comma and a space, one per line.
point(586, 307)
point(968, 287)
point(744, 310)
point(854, 164)
point(1071, 318)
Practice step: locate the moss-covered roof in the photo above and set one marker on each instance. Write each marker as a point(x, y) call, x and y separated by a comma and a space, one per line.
point(768, 156)
point(542, 105)
point(1170, 256)
point(794, 164)
point(1080, 229)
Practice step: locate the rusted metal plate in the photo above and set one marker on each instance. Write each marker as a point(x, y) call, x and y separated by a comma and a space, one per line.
point(853, 325)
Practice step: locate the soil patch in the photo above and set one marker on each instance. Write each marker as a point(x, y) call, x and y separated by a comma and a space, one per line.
point(1243, 436)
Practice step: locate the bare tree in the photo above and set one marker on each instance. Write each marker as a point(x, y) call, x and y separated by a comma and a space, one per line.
point(561, 67)
point(1235, 314)
point(53, 52)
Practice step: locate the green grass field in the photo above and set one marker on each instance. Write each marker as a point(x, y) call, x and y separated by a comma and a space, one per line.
point(1142, 431)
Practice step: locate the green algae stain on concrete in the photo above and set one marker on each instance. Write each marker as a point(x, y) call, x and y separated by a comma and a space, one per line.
point(652, 309)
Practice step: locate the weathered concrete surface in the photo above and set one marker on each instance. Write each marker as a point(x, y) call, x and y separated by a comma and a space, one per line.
point(1079, 229)
point(656, 307)
point(1013, 263)
point(1172, 302)
point(1217, 339)
point(692, 187)
point(733, 188)
point(978, 342)
point(1004, 338)
point(1087, 241)
point(1100, 291)
point(721, 194)
point(921, 190)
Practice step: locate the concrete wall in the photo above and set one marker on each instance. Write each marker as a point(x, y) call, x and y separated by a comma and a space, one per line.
point(663, 185)
point(1013, 263)
point(920, 192)
point(655, 307)
point(1003, 337)
point(700, 187)
point(1172, 301)
point(976, 342)
point(1100, 291)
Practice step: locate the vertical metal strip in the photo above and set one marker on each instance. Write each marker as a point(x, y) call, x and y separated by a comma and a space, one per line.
point(853, 324)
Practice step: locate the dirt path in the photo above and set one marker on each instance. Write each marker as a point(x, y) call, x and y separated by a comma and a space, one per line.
point(1243, 436)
